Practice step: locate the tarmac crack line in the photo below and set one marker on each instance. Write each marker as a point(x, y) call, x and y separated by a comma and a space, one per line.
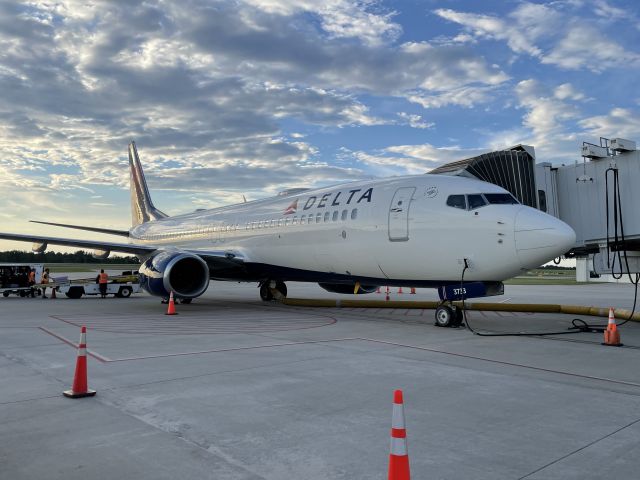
point(598, 440)
point(502, 362)
point(209, 374)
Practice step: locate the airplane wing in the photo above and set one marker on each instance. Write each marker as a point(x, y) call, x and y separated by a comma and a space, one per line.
point(221, 258)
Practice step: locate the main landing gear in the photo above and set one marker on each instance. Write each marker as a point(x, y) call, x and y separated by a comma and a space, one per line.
point(448, 315)
point(271, 289)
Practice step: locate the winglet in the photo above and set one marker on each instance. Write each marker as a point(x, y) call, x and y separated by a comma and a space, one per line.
point(142, 208)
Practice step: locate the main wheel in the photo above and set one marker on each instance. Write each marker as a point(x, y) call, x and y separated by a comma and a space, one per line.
point(282, 288)
point(265, 292)
point(444, 316)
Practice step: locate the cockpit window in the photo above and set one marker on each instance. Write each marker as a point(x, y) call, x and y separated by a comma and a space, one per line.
point(500, 198)
point(457, 201)
point(476, 201)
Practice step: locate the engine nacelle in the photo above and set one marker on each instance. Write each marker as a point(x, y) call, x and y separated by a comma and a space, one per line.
point(101, 254)
point(184, 274)
point(347, 288)
point(39, 247)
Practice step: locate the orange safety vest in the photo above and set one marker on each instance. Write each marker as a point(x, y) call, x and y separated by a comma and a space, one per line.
point(45, 278)
point(104, 278)
point(32, 276)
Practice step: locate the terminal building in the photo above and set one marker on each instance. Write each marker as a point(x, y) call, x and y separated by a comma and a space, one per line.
point(596, 196)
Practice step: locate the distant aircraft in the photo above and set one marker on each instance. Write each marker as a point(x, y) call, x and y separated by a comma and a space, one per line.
point(412, 231)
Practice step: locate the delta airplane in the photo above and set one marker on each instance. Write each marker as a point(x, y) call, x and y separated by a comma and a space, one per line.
point(413, 231)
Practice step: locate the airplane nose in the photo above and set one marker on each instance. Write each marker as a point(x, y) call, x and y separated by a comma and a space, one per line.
point(540, 237)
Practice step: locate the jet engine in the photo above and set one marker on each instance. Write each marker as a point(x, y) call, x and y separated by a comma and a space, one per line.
point(348, 288)
point(184, 274)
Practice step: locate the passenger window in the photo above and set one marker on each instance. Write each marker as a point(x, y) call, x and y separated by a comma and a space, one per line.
point(310, 219)
point(334, 217)
point(476, 201)
point(326, 216)
point(354, 214)
point(302, 219)
point(280, 222)
point(457, 201)
point(295, 221)
point(343, 217)
point(318, 217)
point(287, 221)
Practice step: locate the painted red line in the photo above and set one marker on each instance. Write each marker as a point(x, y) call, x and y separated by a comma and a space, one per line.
point(95, 355)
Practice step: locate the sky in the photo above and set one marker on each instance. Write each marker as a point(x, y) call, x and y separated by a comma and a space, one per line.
point(251, 97)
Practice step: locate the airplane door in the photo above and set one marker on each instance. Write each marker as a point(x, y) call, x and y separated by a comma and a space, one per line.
point(399, 214)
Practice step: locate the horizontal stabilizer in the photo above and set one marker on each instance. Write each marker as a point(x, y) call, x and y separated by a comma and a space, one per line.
point(109, 231)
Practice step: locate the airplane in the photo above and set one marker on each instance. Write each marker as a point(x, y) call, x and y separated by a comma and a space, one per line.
point(460, 235)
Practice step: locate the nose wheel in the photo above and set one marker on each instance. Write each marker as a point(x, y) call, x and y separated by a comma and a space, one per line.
point(448, 315)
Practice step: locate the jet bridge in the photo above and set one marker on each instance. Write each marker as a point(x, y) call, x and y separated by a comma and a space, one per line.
point(596, 195)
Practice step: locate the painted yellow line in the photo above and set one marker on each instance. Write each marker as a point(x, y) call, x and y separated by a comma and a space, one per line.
point(621, 314)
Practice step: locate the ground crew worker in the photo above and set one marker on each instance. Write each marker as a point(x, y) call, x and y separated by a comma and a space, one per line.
point(103, 279)
point(44, 280)
point(32, 281)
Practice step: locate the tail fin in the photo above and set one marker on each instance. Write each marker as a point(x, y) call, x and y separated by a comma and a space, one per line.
point(142, 209)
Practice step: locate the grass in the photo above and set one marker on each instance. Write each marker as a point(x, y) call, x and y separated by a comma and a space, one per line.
point(542, 276)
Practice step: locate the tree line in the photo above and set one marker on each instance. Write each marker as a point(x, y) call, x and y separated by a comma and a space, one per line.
point(80, 256)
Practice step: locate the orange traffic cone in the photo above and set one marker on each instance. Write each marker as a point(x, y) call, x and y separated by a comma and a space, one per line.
point(400, 290)
point(171, 310)
point(413, 290)
point(80, 388)
point(399, 457)
point(387, 296)
point(53, 292)
point(611, 334)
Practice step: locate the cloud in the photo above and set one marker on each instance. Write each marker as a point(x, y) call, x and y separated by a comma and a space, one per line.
point(467, 96)
point(587, 48)
point(521, 29)
point(552, 33)
point(411, 159)
point(415, 121)
point(567, 91)
point(619, 122)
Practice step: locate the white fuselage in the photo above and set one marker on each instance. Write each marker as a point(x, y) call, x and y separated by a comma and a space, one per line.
point(400, 228)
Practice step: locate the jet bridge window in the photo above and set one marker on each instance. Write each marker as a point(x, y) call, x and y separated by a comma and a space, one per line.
point(457, 201)
point(476, 201)
point(500, 199)
point(542, 200)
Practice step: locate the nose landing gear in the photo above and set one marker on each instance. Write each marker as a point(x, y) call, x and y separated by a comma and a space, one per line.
point(448, 315)
point(273, 289)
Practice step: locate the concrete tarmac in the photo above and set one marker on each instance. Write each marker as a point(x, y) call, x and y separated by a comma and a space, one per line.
point(233, 388)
